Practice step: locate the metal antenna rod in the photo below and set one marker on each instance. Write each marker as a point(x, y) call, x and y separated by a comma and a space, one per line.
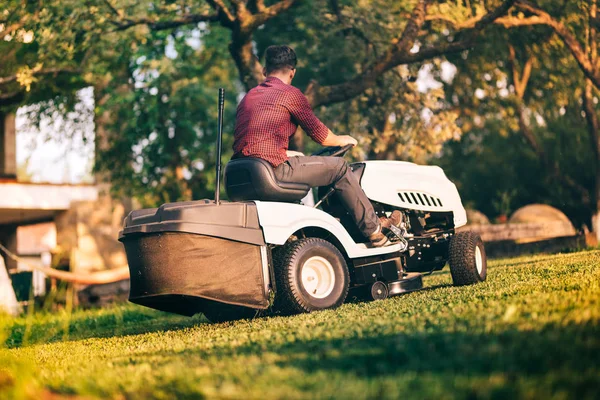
point(219, 145)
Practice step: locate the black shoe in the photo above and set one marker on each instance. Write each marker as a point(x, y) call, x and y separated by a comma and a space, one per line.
point(395, 219)
point(378, 239)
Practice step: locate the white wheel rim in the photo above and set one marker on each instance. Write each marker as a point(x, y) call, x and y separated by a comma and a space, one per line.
point(318, 278)
point(478, 260)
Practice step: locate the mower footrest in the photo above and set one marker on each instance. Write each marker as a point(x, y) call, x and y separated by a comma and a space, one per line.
point(410, 282)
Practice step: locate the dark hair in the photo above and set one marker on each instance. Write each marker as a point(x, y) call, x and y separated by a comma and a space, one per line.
point(279, 57)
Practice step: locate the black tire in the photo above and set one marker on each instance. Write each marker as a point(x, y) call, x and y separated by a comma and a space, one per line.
point(462, 259)
point(221, 312)
point(292, 297)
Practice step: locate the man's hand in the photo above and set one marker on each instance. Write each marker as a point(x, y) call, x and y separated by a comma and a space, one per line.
point(341, 141)
point(345, 140)
point(292, 153)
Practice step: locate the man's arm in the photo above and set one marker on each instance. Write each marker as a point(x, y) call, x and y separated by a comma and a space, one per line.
point(330, 140)
point(298, 106)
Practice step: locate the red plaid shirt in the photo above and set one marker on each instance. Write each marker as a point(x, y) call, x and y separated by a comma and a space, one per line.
point(266, 118)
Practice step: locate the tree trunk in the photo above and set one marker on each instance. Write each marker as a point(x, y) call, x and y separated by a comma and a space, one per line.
point(8, 157)
point(591, 117)
point(246, 62)
point(520, 81)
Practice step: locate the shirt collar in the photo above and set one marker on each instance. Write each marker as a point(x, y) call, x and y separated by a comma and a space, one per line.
point(272, 78)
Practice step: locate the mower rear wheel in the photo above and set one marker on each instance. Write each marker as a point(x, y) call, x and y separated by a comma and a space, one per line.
point(468, 262)
point(221, 312)
point(311, 274)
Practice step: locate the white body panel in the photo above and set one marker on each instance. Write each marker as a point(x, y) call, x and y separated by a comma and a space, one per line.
point(421, 187)
point(280, 220)
point(400, 184)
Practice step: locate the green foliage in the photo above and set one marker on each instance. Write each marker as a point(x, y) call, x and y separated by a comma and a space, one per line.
point(334, 44)
point(38, 38)
point(529, 331)
point(496, 169)
point(497, 174)
point(160, 136)
point(155, 86)
point(154, 90)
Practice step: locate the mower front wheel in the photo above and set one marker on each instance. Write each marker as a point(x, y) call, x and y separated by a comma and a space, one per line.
point(311, 274)
point(467, 259)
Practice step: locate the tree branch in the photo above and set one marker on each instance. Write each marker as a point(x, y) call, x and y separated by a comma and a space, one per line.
point(595, 22)
point(335, 7)
point(166, 24)
point(10, 29)
point(227, 19)
point(241, 12)
point(439, 50)
point(586, 65)
point(241, 48)
point(112, 8)
point(550, 164)
point(256, 5)
point(591, 117)
point(48, 71)
point(511, 22)
point(507, 22)
point(477, 22)
point(269, 12)
point(494, 14)
point(520, 80)
point(400, 53)
point(319, 95)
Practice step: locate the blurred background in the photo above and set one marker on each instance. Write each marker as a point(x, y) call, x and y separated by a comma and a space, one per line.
point(110, 105)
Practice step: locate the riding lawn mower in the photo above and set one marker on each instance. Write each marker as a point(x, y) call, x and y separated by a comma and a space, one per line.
point(264, 249)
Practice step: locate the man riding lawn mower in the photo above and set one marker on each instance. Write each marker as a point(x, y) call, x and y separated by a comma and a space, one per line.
point(381, 224)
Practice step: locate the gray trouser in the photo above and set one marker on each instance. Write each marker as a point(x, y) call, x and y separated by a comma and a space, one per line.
point(332, 171)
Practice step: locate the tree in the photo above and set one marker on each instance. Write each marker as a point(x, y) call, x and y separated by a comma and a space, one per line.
point(539, 94)
point(40, 57)
point(160, 135)
point(120, 46)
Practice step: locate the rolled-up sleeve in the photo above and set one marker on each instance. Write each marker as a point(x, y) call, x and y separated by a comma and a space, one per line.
point(297, 104)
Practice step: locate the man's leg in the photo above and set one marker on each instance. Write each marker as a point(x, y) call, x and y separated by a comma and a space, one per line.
point(326, 171)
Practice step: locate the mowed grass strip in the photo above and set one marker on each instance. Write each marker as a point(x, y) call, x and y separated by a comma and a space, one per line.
point(532, 330)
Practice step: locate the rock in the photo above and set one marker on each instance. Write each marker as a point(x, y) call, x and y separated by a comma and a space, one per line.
point(475, 217)
point(528, 224)
point(538, 213)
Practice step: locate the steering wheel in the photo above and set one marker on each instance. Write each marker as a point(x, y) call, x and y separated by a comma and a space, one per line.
point(333, 151)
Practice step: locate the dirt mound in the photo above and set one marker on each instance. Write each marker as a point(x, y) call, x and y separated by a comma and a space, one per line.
point(538, 213)
point(475, 217)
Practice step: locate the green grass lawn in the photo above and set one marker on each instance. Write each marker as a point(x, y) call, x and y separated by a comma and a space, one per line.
point(531, 331)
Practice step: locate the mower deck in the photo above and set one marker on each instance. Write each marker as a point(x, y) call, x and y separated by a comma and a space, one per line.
point(410, 282)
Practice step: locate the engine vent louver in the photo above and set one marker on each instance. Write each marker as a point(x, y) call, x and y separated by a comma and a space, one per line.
point(420, 199)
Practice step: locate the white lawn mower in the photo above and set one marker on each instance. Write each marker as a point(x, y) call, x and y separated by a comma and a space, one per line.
point(265, 250)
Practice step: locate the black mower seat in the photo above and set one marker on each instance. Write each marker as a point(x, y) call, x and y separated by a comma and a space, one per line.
point(254, 179)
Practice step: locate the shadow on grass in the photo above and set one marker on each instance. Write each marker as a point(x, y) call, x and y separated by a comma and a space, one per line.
point(512, 352)
point(133, 320)
point(565, 357)
point(87, 325)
